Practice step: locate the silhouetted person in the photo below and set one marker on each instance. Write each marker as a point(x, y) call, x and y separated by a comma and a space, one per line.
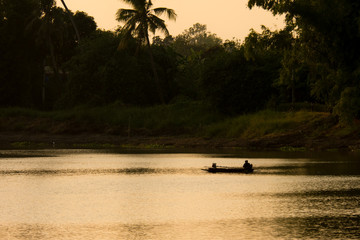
point(247, 165)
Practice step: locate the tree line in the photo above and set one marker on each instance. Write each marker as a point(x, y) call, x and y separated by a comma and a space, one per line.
point(314, 59)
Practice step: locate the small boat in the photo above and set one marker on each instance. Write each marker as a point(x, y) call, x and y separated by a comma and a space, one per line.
point(223, 169)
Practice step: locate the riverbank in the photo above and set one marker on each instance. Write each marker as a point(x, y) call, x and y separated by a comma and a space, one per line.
point(284, 142)
point(298, 139)
point(266, 130)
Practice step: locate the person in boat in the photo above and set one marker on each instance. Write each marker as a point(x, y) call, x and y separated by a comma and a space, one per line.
point(214, 165)
point(247, 165)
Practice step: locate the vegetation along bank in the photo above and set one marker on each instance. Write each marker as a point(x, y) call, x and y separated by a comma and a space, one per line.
point(175, 126)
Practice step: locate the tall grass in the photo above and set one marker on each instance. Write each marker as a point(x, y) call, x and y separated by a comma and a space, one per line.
point(179, 115)
point(182, 117)
point(191, 118)
point(261, 123)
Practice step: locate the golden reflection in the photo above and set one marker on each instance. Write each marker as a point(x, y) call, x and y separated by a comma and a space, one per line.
point(167, 196)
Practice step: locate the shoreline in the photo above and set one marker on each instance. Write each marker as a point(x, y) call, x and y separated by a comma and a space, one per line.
point(285, 142)
point(301, 132)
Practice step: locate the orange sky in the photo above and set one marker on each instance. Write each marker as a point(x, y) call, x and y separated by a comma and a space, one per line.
point(226, 18)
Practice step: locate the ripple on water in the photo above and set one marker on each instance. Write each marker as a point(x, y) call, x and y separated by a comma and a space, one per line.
point(261, 228)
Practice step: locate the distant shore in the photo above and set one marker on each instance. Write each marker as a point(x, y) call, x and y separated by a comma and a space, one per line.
point(169, 127)
point(284, 142)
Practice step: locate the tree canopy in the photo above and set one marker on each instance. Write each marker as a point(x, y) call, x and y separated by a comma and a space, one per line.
point(328, 32)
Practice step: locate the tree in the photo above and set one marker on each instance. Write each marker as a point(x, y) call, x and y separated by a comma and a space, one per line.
point(53, 31)
point(86, 71)
point(235, 85)
point(329, 33)
point(197, 39)
point(98, 74)
point(139, 21)
point(86, 24)
point(193, 46)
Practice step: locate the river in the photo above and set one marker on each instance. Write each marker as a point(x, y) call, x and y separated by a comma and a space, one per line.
point(105, 194)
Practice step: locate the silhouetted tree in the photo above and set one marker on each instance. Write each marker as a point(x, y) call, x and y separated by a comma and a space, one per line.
point(195, 39)
point(139, 21)
point(234, 84)
point(86, 24)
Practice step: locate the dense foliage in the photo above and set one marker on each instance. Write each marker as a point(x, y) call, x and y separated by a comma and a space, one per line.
point(314, 59)
point(327, 37)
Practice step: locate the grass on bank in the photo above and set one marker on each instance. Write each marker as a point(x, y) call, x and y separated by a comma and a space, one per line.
point(262, 123)
point(171, 119)
point(184, 118)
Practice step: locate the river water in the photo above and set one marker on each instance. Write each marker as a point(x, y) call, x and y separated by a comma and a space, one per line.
point(100, 194)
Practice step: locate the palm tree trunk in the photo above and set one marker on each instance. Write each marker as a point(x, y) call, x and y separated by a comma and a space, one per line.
point(72, 21)
point(157, 81)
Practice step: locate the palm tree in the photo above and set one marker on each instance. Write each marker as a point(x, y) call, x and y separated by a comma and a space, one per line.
point(139, 21)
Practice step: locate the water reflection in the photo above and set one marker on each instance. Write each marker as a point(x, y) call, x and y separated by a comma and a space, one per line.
point(107, 195)
point(88, 171)
point(274, 228)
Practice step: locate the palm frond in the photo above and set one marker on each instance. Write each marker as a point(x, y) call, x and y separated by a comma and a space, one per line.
point(137, 4)
point(124, 15)
point(148, 5)
point(169, 12)
point(131, 25)
point(156, 23)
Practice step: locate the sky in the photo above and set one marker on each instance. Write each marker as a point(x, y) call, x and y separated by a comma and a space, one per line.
point(228, 19)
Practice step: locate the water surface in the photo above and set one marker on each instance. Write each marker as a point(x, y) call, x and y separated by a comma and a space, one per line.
point(92, 194)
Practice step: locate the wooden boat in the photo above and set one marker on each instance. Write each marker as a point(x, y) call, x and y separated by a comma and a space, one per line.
point(223, 169)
